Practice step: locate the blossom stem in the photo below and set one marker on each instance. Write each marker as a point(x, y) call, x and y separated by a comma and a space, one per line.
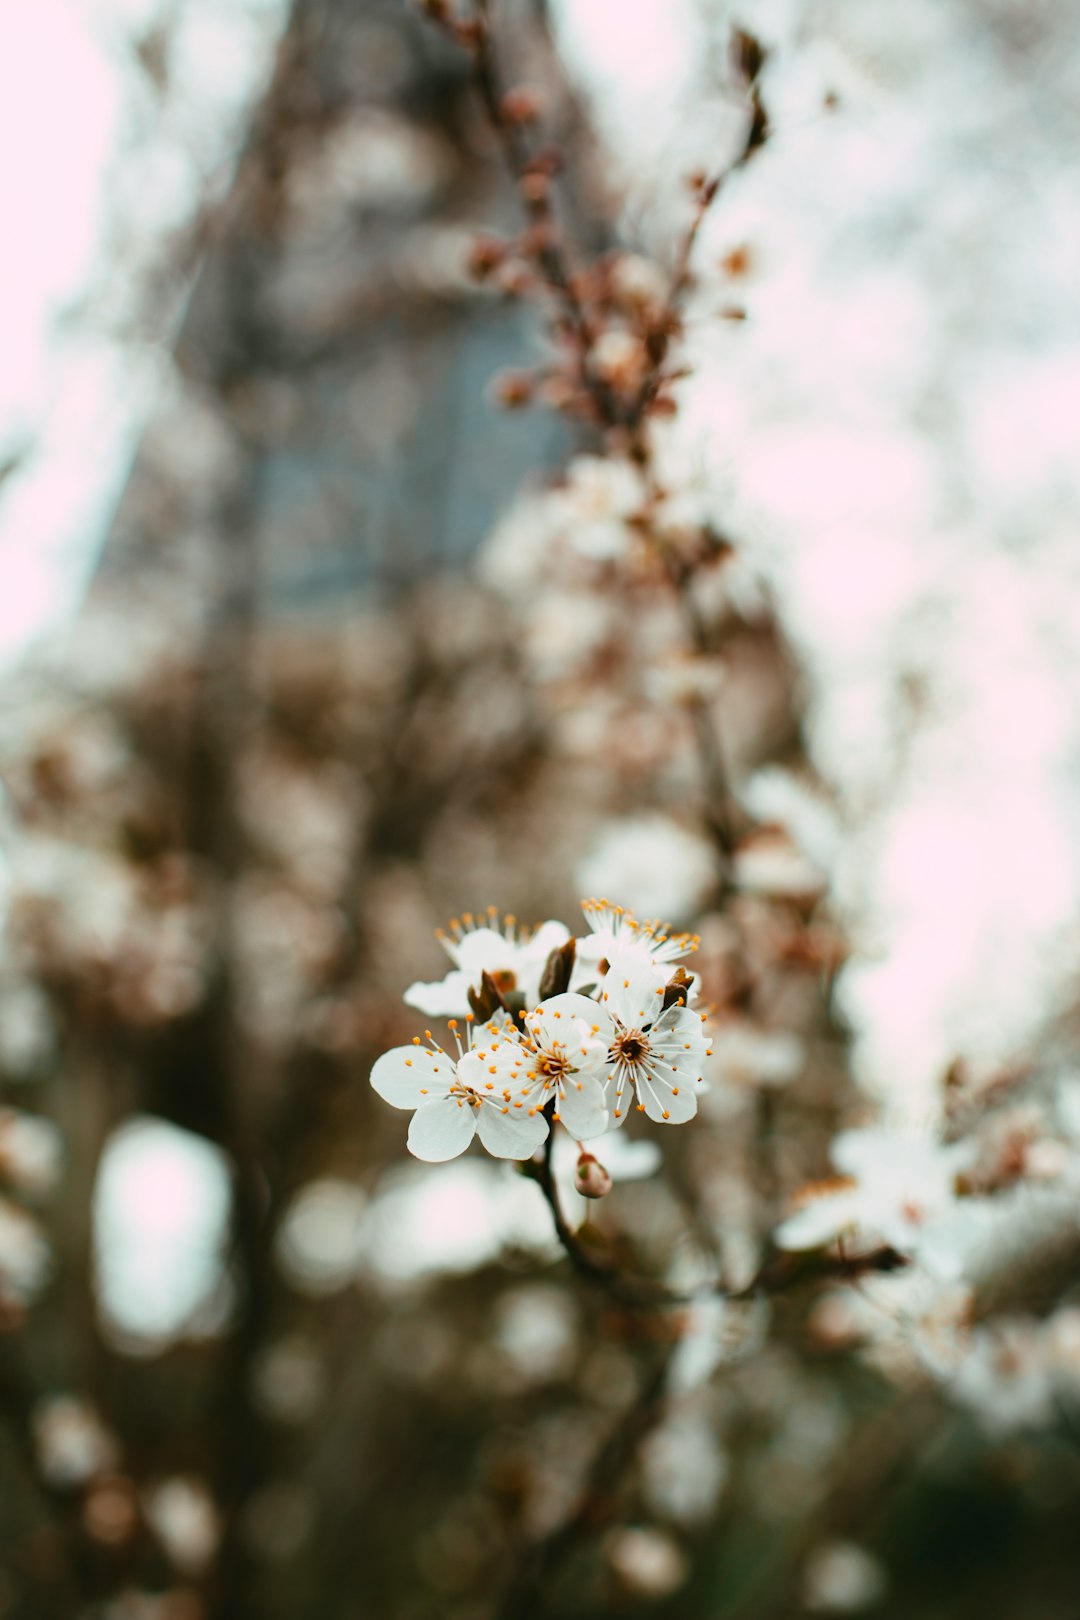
point(640, 1293)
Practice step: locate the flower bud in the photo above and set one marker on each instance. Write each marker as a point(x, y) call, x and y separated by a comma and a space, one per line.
point(486, 254)
point(513, 389)
point(592, 1180)
point(522, 105)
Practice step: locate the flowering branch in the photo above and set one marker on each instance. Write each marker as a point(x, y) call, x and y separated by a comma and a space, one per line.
point(624, 1289)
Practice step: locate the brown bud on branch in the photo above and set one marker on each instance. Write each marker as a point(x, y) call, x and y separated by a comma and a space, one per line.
point(591, 1179)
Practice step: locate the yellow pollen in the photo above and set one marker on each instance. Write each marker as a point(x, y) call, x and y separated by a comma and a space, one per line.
point(423, 1091)
point(641, 1109)
point(666, 1114)
point(408, 1063)
point(416, 1040)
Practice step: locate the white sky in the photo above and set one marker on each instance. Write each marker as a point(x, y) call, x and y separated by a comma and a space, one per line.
point(87, 149)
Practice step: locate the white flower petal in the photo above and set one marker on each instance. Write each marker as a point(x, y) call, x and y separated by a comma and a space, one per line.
point(664, 1098)
point(497, 1068)
point(619, 1097)
point(819, 1221)
point(485, 951)
point(572, 1020)
point(442, 1129)
point(548, 937)
point(513, 1135)
point(581, 1108)
point(409, 1076)
point(632, 991)
point(441, 998)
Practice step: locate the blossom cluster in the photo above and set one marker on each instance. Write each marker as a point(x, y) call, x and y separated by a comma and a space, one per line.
point(579, 1030)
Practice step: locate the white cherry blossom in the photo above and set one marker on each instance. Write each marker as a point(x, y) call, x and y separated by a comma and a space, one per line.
point(488, 1090)
point(654, 1053)
point(566, 1045)
point(514, 957)
point(901, 1191)
point(614, 931)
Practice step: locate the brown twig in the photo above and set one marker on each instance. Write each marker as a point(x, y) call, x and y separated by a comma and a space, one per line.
point(779, 1272)
point(598, 1501)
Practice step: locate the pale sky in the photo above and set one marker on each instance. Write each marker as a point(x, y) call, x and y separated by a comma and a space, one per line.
point(87, 148)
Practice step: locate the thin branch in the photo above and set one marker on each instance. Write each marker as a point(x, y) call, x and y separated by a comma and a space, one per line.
point(599, 1499)
point(780, 1270)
